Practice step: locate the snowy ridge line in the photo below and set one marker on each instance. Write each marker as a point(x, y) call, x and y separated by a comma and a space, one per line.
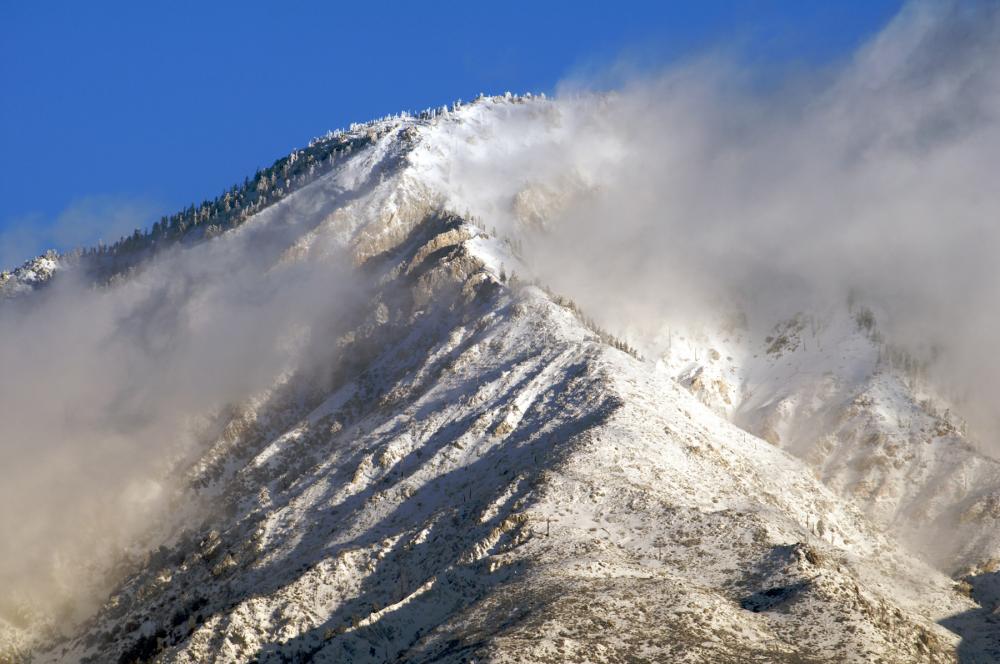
point(35, 271)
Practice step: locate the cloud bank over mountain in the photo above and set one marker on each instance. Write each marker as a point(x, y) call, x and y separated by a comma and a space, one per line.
point(714, 183)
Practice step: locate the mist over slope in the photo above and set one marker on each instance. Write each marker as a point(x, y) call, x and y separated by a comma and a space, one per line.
point(712, 184)
point(108, 389)
point(378, 420)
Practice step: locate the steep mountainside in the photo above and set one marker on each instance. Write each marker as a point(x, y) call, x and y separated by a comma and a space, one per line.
point(473, 471)
point(829, 390)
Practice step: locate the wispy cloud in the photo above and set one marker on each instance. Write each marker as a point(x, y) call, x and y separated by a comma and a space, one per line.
point(83, 222)
point(716, 181)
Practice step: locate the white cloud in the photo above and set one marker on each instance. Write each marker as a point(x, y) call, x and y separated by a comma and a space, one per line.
point(83, 222)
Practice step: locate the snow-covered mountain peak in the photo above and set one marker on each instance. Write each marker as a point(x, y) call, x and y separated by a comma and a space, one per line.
point(444, 458)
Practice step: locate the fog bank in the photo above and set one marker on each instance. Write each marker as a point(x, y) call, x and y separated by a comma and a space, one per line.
point(104, 391)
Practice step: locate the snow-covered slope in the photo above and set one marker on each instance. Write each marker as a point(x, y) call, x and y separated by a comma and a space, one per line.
point(475, 474)
point(828, 389)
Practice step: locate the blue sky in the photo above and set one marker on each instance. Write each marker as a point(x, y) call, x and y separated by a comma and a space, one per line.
point(113, 113)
